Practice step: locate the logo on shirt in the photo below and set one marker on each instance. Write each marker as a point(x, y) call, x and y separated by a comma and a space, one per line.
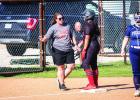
point(135, 32)
point(63, 33)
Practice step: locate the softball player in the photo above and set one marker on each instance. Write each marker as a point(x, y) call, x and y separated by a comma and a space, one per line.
point(90, 49)
point(133, 34)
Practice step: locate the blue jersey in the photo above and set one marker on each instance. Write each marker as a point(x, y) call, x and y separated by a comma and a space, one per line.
point(133, 32)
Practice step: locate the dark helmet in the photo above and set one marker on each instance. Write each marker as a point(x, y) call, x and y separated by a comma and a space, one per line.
point(88, 14)
point(137, 17)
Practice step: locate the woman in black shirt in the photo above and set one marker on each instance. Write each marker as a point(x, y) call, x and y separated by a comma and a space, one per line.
point(90, 49)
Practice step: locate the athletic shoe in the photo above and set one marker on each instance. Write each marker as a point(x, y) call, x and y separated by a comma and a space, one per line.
point(89, 87)
point(137, 93)
point(63, 87)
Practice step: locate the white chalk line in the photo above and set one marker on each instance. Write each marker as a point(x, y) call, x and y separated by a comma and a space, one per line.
point(56, 94)
point(48, 94)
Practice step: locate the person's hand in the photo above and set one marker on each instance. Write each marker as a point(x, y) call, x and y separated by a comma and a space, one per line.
point(76, 48)
point(83, 54)
point(122, 52)
point(41, 39)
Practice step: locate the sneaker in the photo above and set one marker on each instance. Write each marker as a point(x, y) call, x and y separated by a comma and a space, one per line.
point(89, 87)
point(137, 93)
point(63, 87)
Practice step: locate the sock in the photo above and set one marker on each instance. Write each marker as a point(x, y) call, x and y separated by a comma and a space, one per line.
point(95, 76)
point(90, 77)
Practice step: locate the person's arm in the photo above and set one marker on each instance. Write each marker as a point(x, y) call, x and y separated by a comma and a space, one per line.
point(124, 43)
point(73, 35)
point(126, 39)
point(80, 43)
point(47, 36)
point(86, 42)
point(74, 40)
point(44, 39)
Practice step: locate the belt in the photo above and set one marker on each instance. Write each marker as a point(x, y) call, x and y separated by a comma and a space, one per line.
point(136, 47)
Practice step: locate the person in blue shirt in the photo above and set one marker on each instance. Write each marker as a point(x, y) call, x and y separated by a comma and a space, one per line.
point(132, 34)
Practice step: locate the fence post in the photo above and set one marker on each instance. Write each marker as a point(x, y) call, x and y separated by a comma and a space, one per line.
point(101, 25)
point(41, 27)
point(124, 26)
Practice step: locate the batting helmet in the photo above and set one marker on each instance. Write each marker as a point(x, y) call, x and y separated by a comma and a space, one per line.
point(88, 14)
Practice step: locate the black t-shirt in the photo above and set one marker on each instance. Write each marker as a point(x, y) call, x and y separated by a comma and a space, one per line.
point(91, 28)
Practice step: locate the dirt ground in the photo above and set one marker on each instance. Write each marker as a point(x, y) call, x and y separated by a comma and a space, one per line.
point(46, 89)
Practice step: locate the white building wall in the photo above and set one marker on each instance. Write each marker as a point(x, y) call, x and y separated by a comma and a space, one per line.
point(115, 7)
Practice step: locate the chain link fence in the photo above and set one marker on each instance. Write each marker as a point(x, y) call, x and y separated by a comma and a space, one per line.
point(19, 37)
point(19, 22)
point(116, 17)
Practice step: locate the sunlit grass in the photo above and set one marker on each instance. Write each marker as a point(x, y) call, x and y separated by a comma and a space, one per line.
point(112, 69)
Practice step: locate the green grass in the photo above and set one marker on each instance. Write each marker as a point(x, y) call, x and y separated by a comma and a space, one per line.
point(117, 69)
point(112, 69)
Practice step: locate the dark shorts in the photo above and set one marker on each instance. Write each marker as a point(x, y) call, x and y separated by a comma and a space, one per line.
point(61, 57)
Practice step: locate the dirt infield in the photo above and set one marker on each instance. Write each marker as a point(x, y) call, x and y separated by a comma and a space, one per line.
point(46, 89)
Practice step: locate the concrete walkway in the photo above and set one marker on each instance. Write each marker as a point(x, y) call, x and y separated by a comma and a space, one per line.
point(101, 59)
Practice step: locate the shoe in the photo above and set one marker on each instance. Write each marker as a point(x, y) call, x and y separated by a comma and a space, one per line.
point(89, 87)
point(137, 93)
point(63, 87)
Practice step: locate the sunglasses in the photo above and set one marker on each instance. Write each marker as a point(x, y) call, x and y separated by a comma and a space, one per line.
point(62, 18)
point(138, 17)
